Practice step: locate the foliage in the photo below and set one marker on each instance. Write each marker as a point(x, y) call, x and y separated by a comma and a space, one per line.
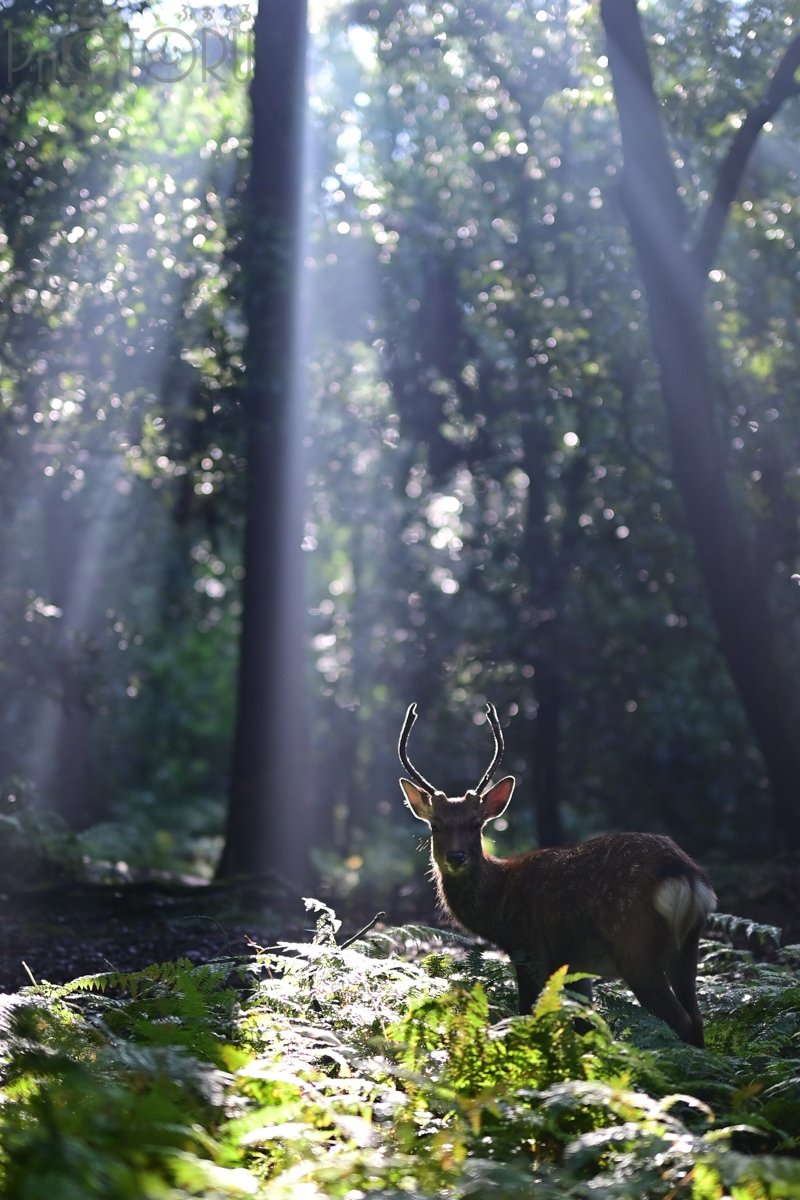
point(111, 1100)
point(391, 1067)
point(115, 394)
point(35, 843)
point(491, 510)
point(486, 404)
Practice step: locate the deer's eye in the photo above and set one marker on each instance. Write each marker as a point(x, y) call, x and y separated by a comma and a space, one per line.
point(476, 825)
point(434, 828)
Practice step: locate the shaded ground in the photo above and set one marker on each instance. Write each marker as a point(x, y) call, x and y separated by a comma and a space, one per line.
point(65, 930)
point(59, 932)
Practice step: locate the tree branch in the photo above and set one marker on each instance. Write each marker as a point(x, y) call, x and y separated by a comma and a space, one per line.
point(651, 188)
point(781, 87)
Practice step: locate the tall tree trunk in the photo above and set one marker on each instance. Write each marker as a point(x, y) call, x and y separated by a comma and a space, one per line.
point(267, 825)
point(544, 599)
point(63, 770)
point(675, 276)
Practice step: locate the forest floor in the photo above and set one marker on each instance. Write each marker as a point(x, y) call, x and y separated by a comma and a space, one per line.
point(59, 931)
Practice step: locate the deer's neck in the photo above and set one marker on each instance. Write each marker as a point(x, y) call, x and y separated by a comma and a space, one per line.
point(474, 898)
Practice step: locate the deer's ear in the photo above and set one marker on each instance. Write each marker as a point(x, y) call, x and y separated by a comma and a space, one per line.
point(418, 801)
point(495, 801)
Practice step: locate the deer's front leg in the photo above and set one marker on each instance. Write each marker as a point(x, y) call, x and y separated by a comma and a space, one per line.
point(531, 978)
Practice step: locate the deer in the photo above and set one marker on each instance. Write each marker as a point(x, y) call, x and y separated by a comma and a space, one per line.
point(627, 906)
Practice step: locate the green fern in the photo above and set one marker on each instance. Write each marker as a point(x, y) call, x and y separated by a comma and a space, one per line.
point(339, 1070)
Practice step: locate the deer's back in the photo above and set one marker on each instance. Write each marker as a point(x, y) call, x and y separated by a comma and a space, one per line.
point(574, 904)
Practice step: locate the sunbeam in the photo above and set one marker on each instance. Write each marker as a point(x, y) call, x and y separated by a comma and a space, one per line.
point(129, 270)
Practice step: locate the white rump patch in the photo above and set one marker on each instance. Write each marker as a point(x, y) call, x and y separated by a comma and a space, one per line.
point(684, 903)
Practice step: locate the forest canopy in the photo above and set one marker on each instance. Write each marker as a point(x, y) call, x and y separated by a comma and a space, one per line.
point(495, 506)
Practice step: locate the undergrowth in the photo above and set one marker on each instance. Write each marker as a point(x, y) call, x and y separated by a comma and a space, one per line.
point(392, 1067)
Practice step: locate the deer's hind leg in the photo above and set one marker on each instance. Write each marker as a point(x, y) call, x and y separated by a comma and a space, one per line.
point(646, 965)
point(655, 994)
point(682, 975)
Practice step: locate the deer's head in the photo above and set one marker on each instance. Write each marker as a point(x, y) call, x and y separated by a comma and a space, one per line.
point(456, 822)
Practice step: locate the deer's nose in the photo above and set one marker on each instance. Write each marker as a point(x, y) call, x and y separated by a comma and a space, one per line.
point(456, 858)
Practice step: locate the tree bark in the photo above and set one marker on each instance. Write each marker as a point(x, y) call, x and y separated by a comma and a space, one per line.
point(674, 276)
point(543, 570)
point(63, 769)
point(267, 822)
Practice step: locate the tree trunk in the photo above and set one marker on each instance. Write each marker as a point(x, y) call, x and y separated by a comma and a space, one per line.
point(674, 277)
point(63, 769)
point(267, 824)
point(544, 599)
